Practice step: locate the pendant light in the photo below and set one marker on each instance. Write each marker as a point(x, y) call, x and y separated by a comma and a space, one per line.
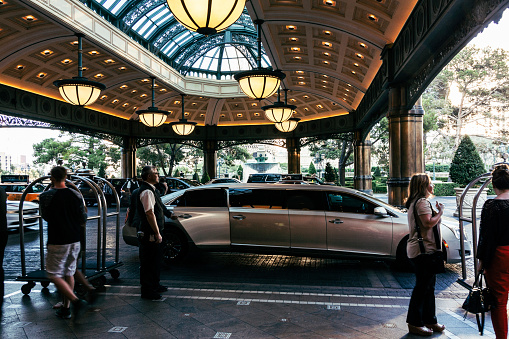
point(183, 127)
point(288, 125)
point(206, 16)
point(259, 83)
point(152, 117)
point(279, 111)
point(79, 90)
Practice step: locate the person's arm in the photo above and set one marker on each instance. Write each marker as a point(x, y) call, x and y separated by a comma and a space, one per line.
point(428, 220)
point(151, 218)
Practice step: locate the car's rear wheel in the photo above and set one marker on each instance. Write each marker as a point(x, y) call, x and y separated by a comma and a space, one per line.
point(175, 246)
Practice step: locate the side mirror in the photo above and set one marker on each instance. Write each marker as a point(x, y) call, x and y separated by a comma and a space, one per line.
point(381, 212)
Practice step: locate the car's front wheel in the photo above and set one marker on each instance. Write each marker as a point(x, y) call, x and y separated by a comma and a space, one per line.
point(175, 246)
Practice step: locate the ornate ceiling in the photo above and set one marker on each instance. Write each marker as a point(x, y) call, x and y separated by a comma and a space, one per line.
point(330, 51)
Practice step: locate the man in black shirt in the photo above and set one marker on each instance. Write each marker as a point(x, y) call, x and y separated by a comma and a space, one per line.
point(3, 240)
point(64, 210)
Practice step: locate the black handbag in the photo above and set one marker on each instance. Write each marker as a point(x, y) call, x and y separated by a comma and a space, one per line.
point(479, 301)
point(433, 261)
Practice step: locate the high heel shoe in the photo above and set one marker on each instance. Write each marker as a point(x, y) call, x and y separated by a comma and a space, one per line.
point(436, 327)
point(423, 330)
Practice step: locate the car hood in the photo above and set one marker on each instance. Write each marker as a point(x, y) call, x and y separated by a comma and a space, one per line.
point(27, 205)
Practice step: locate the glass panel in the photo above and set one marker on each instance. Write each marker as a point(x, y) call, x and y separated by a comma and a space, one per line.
point(257, 198)
point(349, 204)
point(305, 200)
point(204, 198)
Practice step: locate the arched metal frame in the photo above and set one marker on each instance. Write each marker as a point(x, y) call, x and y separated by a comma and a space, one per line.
point(152, 24)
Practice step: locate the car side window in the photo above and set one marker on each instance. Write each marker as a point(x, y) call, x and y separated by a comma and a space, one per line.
point(349, 204)
point(257, 198)
point(203, 198)
point(305, 200)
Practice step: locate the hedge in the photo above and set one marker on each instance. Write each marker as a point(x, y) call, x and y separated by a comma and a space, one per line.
point(445, 189)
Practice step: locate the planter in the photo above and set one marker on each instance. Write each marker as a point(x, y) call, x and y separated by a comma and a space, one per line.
point(468, 201)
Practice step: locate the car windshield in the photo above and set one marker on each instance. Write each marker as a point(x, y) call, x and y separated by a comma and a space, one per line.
point(168, 198)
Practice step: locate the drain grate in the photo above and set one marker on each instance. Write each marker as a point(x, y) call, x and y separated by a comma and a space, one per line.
point(222, 335)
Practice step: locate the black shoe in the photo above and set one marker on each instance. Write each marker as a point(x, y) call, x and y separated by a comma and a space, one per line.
point(161, 289)
point(151, 296)
point(78, 307)
point(63, 312)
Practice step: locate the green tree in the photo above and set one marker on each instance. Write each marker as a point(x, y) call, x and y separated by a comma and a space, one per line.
point(79, 151)
point(234, 153)
point(330, 174)
point(311, 169)
point(205, 178)
point(341, 149)
point(466, 164)
point(164, 156)
point(482, 79)
point(50, 150)
point(240, 172)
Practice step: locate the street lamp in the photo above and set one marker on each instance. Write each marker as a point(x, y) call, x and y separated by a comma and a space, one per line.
point(219, 163)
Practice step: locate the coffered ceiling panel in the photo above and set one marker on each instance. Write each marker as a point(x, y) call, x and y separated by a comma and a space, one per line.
point(328, 49)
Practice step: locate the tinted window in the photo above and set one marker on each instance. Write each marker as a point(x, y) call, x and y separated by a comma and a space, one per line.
point(257, 198)
point(350, 204)
point(203, 198)
point(256, 178)
point(305, 200)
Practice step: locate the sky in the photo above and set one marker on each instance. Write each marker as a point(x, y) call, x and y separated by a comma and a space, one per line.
point(19, 141)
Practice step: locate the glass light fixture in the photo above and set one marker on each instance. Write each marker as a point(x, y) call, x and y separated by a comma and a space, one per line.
point(206, 16)
point(183, 127)
point(152, 116)
point(79, 90)
point(259, 83)
point(279, 111)
point(288, 125)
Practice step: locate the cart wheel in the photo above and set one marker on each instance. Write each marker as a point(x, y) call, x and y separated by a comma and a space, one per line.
point(115, 273)
point(25, 289)
point(45, 284)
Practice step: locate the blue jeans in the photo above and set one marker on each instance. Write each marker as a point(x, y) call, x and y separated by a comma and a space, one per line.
point(421, 310)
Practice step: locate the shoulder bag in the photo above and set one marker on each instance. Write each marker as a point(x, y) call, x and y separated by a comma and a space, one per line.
point(479, 301)
point(434, 261)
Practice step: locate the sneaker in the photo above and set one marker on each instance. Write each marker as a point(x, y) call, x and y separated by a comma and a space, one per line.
point(64, 313)
point(78, 307)
point(151, 296)
point(161, 289)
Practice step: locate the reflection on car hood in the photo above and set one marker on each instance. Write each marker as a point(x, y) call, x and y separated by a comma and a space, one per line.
point(14, 205)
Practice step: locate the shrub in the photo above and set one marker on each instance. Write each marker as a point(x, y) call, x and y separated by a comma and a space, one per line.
point(445, 189)
point(329, 175)
point(438, 168)
point(466, 164)
point(311, 169)
point(377, 172)
point(379, 187)
point(205, 178)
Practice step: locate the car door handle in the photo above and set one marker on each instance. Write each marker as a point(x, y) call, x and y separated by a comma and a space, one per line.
point(336, 221)
point(185, 216)
point(239, 217)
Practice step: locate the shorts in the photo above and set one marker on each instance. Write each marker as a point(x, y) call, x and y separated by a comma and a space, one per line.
point(61, 260)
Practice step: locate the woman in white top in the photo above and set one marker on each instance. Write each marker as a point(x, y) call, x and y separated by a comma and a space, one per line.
point(421, 317)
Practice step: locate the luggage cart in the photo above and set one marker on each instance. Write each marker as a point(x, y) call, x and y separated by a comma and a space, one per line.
point(485, 179)
point(94, 273)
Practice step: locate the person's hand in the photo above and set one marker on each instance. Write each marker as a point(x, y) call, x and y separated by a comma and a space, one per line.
point(159, 238)
point(440, 207)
